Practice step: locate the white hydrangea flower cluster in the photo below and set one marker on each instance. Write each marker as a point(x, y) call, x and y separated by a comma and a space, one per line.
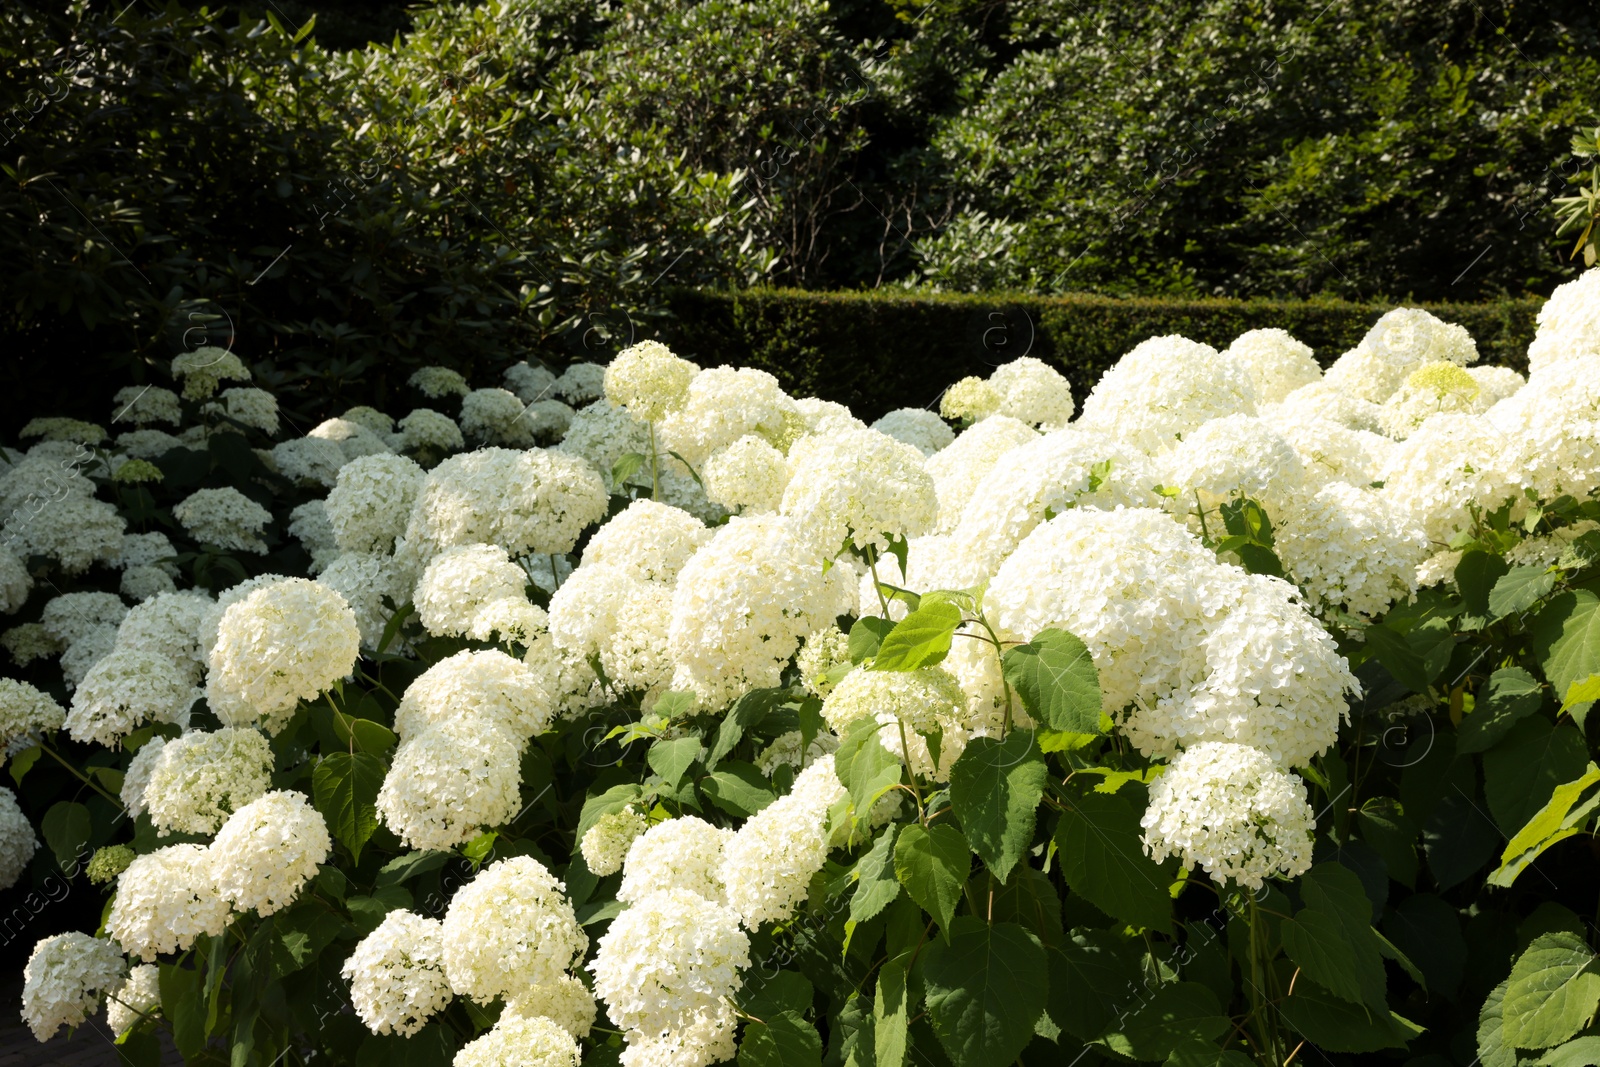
point(137, 777)
point(25, 711)
point(138, 996)
point(437, 382)
point(785, 751)
point(465, 722)
point(683, 853)
point(768, 864)
point(254, 408)
point(65, 980)
point(268, 850)
point(287, 641)
point(520, 1041)
point(743, 603)
point(144, 404)
point(566, 1002)
point(531, 382)
point(665, 969)
point(396, 974)
point(821, 653)
point(1231, 810)
point(201, 778)
point(1276, 362)
point(748, 476)
point(649, 380)
point(618, 603)
point(495, 416)
point(125, 689)
point(1234, 456)
point(309, 460)
point(371, 501)
point(1449, 465)
point(309, 524)
point(605, 845)
point(426, 430)
point(1351, 549)
point(917, 427)
point(1568, 324)
point(957, 469)
point(15, 582)
point(1069, 468)
point(1432, 389)
point(364, 579)
point(18, 842)
point(460, 583)
point(166, 899)
point(509, 931)
point(1165, 388)
point(910, 705)
point(858, 486)
point(537, 500)
point(722, 405)
point(1401, 342)
point(581, 383)
point(202, 370)
point(225, 518)
point(75, 531)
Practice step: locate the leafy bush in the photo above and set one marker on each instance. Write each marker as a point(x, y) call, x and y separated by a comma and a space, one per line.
point(531, 178)
point(1190, 720)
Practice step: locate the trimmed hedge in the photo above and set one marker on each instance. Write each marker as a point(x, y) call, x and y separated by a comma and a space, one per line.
point(877, 351)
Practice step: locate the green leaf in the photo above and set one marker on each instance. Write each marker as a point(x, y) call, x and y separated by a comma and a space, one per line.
point(1476, 574)
point(1520, 589)
point(302, 933)
point(1429, 931)
point(626, 466)
point(1029, 898)
point(866, 637)
point(865, 767)
point(765, 996)
point(1174, 1015)
point(1336, 1025)
point(23, 762)
point(1492, 1048)
point(921, 639)
point(1103, 860)
point(1521, 773)
point(1579, 1052)
point(611, 801)
point(1313, 940)
point(1561, 817)
point(1090, 976)
point(994, 790)
point(986, 989)
point(345, 790)
point(672, 759)
point(738, 788)
point(746, 713)
point(890, 1010)
point(1511, 694)
point(183, 1004)
point(1057, 681)
point(785, 1040)
point(367, 912)
point(932, 863)
point(67, 827)
point(876, 886)
point(1566, 638)
point(1552, 993)
point(1385, 826)
point(1583, 692)
point(1398, 657)
point(404, 868)
point(1205, 1054)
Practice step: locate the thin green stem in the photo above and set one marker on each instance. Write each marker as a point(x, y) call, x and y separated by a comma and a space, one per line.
point(1205, 534)
point(872, 565)
point(655, 470)
point(999, 651)
point(905, 752)
point(79, 775)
